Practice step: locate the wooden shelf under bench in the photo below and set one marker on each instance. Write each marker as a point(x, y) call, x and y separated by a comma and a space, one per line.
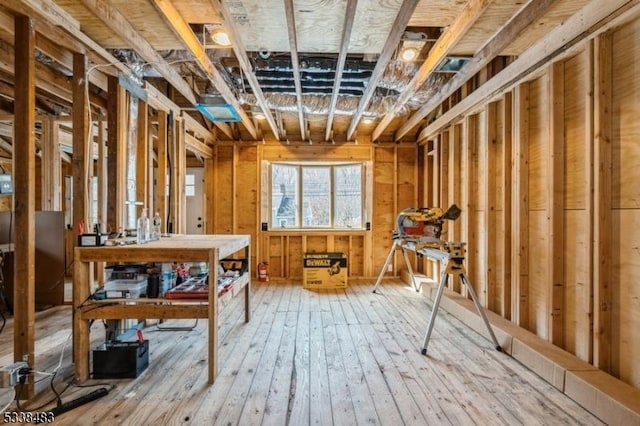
point(176, 248)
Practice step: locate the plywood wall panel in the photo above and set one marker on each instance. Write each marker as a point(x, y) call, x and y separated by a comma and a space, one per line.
point(276, 250)
point(476, 169)
point(626, 114)
point(538, 143)
point(357, 255)
point(295, 251)
point(383, 204)
point(577, 307)
point(626, 294)
point(625, 202)
point(224, 190)
point(246, 194)
point(406, 179)
point(316, 244)
point(575, 76)
point(576, 252)
point(538, 275)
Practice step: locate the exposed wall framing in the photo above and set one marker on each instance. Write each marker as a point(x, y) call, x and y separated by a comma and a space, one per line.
point(551, 220)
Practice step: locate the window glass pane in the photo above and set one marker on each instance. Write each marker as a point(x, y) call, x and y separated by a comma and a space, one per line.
point(316, 196)
point(284, 196)
point(190, 190)
point(190, 179)
point(348, 196)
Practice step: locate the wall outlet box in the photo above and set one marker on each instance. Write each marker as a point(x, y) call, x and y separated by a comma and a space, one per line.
point(10, 374)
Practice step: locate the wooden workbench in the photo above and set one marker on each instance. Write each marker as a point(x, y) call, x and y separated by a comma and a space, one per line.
point(176, 248)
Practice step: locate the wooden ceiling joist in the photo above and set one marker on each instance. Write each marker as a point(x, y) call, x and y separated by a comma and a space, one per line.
point(445, 44)
point(184, 33)
point(121, 26)
point(527, 16)
point(58, 23)
point(295, 64)
point(245, 64)
point(594, 17)
point(350, 15)
point(397, 30)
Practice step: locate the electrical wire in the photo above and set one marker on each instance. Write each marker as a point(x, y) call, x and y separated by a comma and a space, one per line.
point(6, 407)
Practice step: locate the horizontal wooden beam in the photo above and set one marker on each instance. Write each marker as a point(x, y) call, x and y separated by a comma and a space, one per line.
point(119, 24)
point(159, 309)
point(527, 15)
point(591, 19)
point(443, 46)
point(197, 146)
point(192, 125)
point(184, 32)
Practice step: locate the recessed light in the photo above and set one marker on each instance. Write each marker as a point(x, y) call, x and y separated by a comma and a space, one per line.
point(221, 37)
point(408, 54)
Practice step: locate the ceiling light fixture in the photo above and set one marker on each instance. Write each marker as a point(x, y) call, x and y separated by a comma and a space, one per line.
point(220, 37)
point(259, 115)
point(408, 54)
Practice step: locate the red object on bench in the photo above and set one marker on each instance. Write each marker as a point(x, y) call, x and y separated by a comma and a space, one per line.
point(188, 290)
point(194, 290)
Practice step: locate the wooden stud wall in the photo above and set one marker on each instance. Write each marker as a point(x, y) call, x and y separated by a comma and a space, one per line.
point(237, 203)
point(623, 227)
point(547, 183)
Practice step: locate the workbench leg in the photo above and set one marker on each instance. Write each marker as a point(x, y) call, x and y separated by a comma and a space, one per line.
point(81, 285)
point(247, 302)
point(214, 260)
point(247, 288)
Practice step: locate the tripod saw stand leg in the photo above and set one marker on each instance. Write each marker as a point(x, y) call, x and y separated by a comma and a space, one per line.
point(434, 312)
point(472, 292)
point(415, 286)
point(386, 264)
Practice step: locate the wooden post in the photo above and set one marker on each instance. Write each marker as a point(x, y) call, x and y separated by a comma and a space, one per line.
point(51, 166)
point(117, 156)
point(555, 197)
point(454, 177)
point(488, 159)
point(24, 158)
point(161, 187)
point(507, 145)
point(80, 142)
point(589, 119)
point(103, 173)
point(181, 155)
point(142, 159)
point(209, 199)
point(520, 207)
point(602, 292)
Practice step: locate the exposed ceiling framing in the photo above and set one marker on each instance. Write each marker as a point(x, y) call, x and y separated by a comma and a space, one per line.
point(313, 70)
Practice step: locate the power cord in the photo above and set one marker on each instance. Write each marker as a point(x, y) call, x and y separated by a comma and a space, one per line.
point(6, 407)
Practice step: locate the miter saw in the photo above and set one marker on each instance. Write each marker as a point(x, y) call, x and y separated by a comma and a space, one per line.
point(423, 226)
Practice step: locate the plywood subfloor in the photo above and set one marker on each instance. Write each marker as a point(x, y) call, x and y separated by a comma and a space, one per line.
point(333, 357)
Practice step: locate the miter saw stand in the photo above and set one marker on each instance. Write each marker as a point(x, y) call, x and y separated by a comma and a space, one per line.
point(451, 255)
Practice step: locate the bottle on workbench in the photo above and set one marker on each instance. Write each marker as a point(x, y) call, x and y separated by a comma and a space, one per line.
point(142, 231)
point(157, 221)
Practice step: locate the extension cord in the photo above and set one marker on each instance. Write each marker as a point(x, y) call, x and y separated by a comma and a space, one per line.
point(67, 406)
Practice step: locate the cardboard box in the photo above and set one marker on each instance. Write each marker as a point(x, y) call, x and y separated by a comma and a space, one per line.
point(324, 270)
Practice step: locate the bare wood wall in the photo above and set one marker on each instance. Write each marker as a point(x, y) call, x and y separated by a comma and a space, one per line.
point(548, 178)
point(234, 178)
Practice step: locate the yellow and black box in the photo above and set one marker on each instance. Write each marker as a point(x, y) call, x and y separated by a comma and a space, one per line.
point(324, 270)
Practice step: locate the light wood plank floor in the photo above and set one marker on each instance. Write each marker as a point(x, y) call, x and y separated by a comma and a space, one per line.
point(330, 358)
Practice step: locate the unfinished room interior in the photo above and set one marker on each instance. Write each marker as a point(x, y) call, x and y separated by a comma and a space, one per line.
point(413, 211)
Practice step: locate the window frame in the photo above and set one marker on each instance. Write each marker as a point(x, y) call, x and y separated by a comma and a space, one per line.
point(267, 190)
